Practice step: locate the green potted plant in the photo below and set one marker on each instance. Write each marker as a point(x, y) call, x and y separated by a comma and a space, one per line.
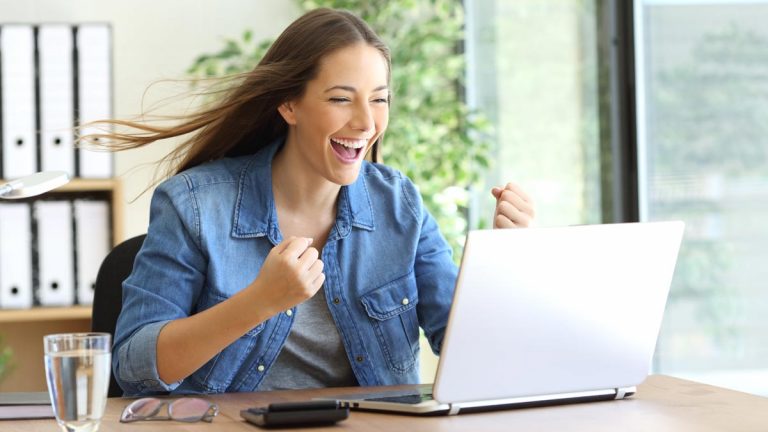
point(433, 137)
point(6, 356)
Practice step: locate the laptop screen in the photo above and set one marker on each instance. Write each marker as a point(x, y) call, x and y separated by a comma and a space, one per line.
point(556, 310)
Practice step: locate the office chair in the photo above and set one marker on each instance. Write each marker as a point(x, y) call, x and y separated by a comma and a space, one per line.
point(108, 293)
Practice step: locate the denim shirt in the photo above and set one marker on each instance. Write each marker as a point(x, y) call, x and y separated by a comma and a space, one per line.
point(388, 272)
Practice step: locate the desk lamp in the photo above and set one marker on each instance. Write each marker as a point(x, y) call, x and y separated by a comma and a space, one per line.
point(32, 185)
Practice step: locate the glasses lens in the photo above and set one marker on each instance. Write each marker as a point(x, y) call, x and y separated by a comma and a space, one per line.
point(141, 409)
point(189, 409)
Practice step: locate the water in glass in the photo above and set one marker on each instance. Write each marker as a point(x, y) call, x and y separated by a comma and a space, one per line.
point(78, 381)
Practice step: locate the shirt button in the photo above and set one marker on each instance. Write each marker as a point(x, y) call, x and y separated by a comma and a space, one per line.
point(336, 300)
point(289, 312)
point(260, 368)
point(359, 358)
point(406, 301)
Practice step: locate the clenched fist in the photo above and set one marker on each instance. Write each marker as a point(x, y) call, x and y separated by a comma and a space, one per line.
point(291, 274)
point(514, 208)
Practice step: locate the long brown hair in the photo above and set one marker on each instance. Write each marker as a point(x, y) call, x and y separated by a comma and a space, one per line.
point(246, 118)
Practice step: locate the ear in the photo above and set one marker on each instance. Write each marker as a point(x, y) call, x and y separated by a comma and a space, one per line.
point(286, 110)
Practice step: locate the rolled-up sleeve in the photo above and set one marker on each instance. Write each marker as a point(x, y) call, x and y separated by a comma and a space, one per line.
point(167, 278)
point(137, 362)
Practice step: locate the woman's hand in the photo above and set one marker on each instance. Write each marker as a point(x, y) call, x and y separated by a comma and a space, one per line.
point(514, 208)
point(291, 274)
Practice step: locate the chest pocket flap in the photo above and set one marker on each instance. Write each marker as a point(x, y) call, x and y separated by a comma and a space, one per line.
point(391, 299)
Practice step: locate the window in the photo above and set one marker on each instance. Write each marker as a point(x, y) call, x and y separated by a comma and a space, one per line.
point(702, 139)
point(533, 70)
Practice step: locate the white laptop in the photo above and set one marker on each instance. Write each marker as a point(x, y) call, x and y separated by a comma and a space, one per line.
point(547, 316)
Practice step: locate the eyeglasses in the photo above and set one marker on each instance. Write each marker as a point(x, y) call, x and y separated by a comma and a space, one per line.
point(188, 410)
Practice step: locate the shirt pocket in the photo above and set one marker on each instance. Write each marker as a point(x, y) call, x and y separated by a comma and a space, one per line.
point(216, 375)
point(392, 312)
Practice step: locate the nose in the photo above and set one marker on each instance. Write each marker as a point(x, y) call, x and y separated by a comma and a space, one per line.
point(362, 118)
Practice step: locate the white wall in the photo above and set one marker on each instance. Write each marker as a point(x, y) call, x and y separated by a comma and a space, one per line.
point(153, 40)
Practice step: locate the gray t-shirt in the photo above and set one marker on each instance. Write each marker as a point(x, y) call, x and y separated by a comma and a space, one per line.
point(313, 355)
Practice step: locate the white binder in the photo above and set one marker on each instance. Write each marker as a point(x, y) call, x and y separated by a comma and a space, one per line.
point(92, 244)
point(94, 71)
point(18, 100)
point(55, 253)
point(15, 256)
point(55, 45)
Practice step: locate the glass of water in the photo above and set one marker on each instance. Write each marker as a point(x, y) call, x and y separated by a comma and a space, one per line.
point(77, 367)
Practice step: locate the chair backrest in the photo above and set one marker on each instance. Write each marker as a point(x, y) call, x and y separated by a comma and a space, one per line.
point(108, 295)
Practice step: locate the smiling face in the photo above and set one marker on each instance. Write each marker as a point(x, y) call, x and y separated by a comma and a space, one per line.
point(343, 111)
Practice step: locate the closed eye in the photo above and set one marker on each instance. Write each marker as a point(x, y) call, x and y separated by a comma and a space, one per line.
point(338, 99)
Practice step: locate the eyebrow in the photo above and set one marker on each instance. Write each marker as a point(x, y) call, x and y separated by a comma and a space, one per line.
point(352, 89)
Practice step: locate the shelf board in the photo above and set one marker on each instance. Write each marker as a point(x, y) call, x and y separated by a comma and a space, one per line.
point(87, 185)
point(36, 314)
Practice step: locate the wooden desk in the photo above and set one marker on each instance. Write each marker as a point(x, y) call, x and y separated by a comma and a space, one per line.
point(661, 404)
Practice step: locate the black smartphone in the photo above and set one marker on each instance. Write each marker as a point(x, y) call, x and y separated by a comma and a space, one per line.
point(308, 413)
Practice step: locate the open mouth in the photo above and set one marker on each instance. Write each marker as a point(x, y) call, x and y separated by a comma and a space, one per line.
point(348, 150)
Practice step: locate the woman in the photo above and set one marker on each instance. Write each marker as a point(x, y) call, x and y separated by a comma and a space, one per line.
point(276, 257)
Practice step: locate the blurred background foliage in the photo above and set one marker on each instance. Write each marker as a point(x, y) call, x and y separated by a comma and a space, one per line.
point(6, 363)
point(709, 125)
point(433, 137)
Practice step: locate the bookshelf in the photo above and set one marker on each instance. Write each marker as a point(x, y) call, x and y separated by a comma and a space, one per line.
point(23, 329)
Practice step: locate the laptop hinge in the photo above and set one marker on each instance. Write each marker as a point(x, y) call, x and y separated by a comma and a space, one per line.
point(454, 409)
point(621, 393)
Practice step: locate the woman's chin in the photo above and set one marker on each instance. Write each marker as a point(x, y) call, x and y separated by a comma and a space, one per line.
point(347, 179)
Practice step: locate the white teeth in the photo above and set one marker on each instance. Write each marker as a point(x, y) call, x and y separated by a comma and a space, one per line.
point(351, 143)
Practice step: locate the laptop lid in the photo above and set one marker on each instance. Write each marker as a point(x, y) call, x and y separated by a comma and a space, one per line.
point(544, 311)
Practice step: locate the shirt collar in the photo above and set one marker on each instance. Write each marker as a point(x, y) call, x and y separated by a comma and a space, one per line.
point(256, 214)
